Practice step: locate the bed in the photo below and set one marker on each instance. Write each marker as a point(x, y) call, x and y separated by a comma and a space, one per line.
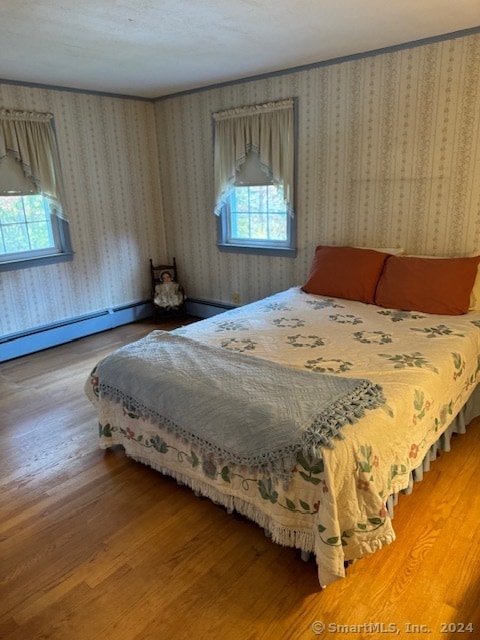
point(407, 380)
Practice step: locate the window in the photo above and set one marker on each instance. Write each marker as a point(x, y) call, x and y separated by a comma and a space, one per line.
point(25, 226)
point(33, 230)
point(257, 216)
point(254, 160)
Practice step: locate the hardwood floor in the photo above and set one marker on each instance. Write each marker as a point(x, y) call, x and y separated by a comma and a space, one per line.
point(94, 546)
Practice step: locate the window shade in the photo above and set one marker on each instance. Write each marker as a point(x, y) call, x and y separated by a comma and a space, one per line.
point(13, 181)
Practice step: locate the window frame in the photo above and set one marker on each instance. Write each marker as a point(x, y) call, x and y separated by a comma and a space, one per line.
point(61, 233)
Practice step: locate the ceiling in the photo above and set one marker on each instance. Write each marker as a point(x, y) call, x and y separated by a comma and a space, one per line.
point(153, 48)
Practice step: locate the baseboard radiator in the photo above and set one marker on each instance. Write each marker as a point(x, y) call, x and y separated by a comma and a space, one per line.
point(206, 308)
point(22, 343)
point(19, 344)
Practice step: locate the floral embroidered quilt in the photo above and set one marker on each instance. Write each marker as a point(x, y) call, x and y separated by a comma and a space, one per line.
point(335, 502)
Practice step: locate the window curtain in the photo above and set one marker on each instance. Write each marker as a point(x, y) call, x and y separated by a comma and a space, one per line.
point(29, 138)
point(266, 129)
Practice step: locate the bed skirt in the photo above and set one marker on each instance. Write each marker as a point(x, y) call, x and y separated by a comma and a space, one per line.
point(458, 425)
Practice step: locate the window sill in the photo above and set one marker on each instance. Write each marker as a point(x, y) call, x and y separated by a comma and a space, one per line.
point(259, 251)
point(27, 263)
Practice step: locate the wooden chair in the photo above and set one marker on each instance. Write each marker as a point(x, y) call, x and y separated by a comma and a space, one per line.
point(167, 295)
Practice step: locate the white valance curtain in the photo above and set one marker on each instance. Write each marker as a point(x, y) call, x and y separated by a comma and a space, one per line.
point(29, 138)
point(267, 129)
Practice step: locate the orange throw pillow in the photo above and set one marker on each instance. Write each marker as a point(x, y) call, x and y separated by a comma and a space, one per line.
point(345, 272)
point(431, 285)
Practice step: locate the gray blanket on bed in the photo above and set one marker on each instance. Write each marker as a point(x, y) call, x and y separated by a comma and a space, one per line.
point(240, 408)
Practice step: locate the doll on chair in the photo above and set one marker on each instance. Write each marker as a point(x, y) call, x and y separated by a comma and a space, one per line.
point(167, 293)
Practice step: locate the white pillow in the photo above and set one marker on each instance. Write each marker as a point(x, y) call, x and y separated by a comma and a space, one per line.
point(394, 251)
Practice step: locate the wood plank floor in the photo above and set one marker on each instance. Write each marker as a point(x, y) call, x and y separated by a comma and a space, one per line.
point(94, 546)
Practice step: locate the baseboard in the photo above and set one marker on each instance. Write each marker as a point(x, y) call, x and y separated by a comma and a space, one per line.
point(43, 337)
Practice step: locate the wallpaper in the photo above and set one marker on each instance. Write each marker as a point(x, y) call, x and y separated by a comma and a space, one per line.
point(388, 156)
point(110, 168)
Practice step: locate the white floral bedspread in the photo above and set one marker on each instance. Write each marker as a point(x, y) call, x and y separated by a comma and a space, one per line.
point(427, 366)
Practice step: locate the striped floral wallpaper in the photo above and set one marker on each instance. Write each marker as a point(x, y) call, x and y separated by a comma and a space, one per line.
point(388, 155)
point(110, 166)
